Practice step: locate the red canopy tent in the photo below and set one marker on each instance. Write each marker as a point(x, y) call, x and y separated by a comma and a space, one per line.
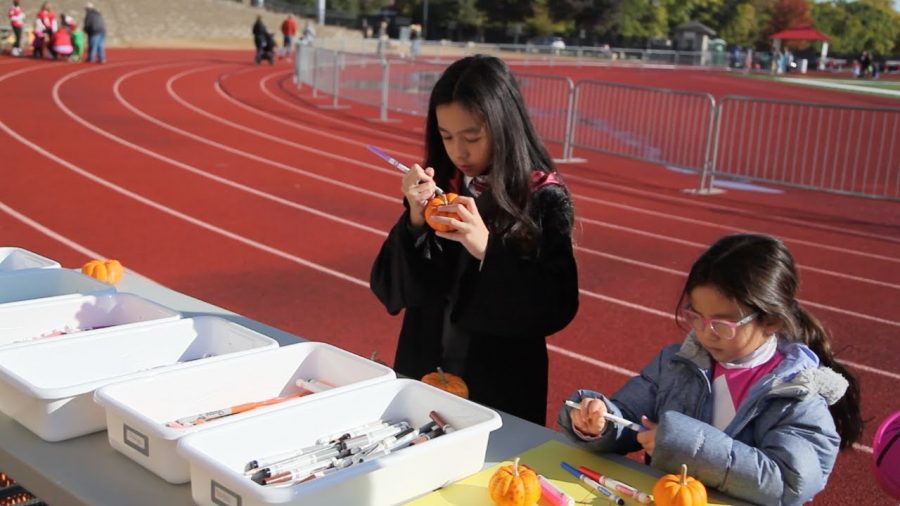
point(804, 33)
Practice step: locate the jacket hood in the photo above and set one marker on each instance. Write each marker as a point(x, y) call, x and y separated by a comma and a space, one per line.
point(799, 375)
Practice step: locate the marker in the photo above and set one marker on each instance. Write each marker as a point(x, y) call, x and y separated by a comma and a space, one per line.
point(617, 486)
point(595, 487)
point(313, 386)
point(375, 436)
point(438, 419)
point(190, 421)
point(425, 437)
point(618, 420)
point(354, 431)
point(399, 165)
point(268, 460)
point(553, 495)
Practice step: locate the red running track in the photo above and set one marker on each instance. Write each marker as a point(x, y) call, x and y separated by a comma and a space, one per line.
point(221, 180)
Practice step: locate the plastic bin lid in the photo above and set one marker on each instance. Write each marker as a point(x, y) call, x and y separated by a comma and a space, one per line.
point(886, 455)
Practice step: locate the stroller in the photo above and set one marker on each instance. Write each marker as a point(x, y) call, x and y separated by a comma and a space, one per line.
point(266, 49)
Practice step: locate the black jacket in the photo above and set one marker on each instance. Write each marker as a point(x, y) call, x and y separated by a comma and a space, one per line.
point(488, 325)
point(93, 22)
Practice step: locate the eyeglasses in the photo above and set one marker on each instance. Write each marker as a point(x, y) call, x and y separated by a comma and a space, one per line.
point(725, 329)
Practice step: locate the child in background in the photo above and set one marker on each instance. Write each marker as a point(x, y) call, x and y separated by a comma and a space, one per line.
point(753, 400)
point(61, 43)
point(37, 43)
point(78, 39)
point(481, 300)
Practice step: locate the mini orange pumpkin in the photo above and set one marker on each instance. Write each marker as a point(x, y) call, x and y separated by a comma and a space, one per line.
point(679, 490)
point(108, 271)
point(515, 485)
point(448, 382)
point(431, 210)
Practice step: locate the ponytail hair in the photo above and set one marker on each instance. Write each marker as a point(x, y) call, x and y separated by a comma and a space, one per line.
point(759, 272)
point(807, 329)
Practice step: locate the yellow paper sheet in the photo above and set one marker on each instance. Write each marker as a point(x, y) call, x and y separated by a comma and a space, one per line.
point(545, 459)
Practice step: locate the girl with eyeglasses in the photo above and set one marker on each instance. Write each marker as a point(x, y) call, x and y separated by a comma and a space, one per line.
point(753, 400)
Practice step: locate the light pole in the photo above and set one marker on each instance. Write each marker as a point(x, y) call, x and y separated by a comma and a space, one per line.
point(425, 20)
point(320, 11)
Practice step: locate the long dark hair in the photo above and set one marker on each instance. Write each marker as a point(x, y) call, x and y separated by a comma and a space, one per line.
point(758, 271)
point(485, 86)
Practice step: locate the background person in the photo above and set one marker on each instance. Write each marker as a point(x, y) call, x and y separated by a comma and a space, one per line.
point(95, 29)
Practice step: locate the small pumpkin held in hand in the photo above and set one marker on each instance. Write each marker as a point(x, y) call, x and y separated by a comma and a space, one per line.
point(679, 490)
point(447, 382)
point(431, 210)
point(515, 485)
point(107, 271)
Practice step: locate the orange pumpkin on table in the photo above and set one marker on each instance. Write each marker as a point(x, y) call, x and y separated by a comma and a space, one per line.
point(679, 490)
point(447, 382)
point(515, 485)
point(431, 210)
point(107, 271)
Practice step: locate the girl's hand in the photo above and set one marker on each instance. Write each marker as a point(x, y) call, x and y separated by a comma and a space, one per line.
point(470, 231)
point(418, 188)
point(647, 438)
point(589, 419)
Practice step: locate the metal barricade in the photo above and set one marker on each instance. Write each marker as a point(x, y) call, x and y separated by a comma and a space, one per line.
point(651, 124)
point(550, 102)
point(842, 149)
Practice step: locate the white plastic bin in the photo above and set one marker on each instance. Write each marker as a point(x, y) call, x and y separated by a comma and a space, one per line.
point(53, 318)
point(218, 456)
point(12, 259)
point(23, 286)
point(137, 411)
point(48, 386)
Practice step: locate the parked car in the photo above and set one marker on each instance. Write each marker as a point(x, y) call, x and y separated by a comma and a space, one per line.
point(552, 42)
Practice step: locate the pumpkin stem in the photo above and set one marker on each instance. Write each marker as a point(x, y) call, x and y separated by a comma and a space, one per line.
point(516, 467)
point(683, 475)
point(443, 378)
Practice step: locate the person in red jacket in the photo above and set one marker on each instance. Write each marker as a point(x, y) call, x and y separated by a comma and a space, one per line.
point(47, 19)
point(289, 31)
point(17, 21)
point(61, 43)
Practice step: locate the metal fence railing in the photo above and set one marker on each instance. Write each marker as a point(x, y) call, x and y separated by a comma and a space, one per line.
point(653, 124)
point(841, 149)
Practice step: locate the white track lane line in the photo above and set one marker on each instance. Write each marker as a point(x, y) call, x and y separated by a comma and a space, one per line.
point(599, 223)
point(288, 256)
point(197, 171)
point(638, 210)
point(69, 243)
point(245, 154)
point(717, 207)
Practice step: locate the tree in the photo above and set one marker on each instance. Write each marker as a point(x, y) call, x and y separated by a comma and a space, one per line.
point(789, 14)
point(871, 25)
point(643, 19)
point(601, 16)
point(741, 27)
point(505, 11)
point(705, 11)
point(541, 23)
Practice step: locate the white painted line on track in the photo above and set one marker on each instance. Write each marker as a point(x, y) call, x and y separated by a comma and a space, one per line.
point(683, 242)
point(197, 171)
point(667, 215)
point(245, 154)
point(69, 243)
point(280, 253)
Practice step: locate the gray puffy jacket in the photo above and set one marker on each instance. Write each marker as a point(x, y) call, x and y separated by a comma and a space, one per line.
point(779, 449)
